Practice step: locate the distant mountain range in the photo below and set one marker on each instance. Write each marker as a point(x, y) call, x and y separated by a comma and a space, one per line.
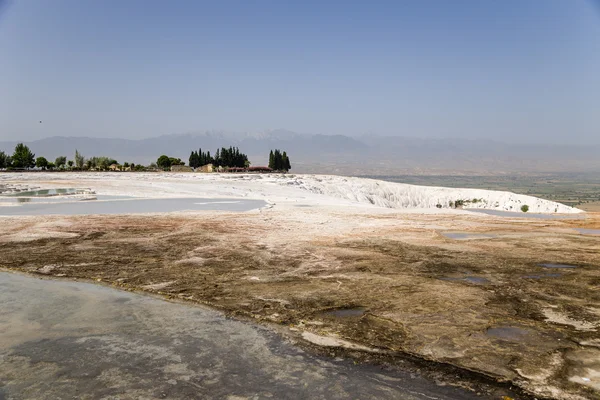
point(365, 155)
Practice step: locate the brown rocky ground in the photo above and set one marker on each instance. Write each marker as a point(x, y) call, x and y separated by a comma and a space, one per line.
point(483, 305)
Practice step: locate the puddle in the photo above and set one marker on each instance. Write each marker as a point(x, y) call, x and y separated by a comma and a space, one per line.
point(512, 333)
point(557, 266)
point(346, 312)
point(110, 197)
point(499, 213)
point(549, 275)
point(51, 196)
point(588, 231)
point(58, 199)
point(50, 192)
point(132, 206)
point(477, 280)
point(541, 276)
point(467, 235)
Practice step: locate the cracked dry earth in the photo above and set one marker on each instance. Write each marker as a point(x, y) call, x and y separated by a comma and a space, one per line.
point(391, 283)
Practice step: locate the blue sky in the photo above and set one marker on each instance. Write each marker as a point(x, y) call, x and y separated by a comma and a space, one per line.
point(513, 70)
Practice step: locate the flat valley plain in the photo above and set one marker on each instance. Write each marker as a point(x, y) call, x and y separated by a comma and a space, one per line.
point(370, 283)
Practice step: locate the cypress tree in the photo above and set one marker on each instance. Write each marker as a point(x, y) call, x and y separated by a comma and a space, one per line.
point(278, 160)
point(286, 162)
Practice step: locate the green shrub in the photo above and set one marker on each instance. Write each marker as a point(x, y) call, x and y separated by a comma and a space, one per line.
point(524, 208)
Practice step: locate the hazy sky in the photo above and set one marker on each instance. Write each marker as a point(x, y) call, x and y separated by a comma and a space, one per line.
point(521, 70)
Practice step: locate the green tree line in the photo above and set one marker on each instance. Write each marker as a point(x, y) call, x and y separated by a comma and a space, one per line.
point(24, 158)
point(224, 157)
point(165, 162)
point(200, 158)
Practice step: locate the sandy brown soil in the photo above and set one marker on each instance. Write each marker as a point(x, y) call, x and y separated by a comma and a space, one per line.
point(593, 206)
point(535, 327)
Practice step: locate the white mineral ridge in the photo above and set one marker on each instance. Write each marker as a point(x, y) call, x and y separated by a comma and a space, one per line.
point(290, 188)
point(400, 195)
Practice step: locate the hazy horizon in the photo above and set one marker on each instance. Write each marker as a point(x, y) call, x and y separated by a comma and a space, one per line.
point(255, 134)
point(513, 72)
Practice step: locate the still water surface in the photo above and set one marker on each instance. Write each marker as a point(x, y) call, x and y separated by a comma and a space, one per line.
point(132, 206)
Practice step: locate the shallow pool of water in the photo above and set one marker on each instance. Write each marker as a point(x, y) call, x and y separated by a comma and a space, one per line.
point(346, 312)
point(558, 266)
point(588, 231)
point(467, 235)
point(57, 337)
point(58, 199)
point(542, 276)
point(499, 213)
point(512, 333)
point(471, 279)
point(132, 206)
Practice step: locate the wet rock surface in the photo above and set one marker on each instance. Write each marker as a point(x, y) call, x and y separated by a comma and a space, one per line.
point(247, 266)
